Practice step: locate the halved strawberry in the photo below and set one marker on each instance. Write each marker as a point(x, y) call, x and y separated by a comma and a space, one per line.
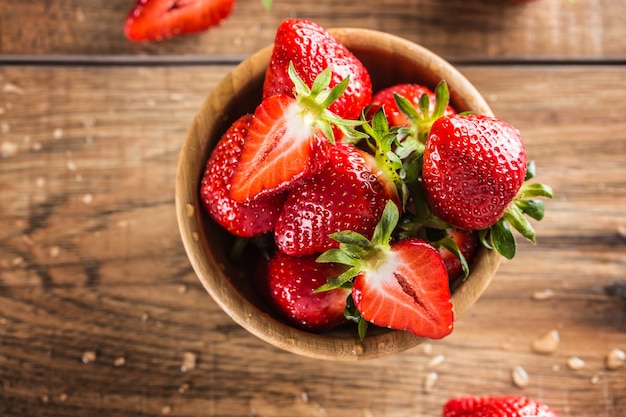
point(408, 290)
point(291, 282)
point(401, 284)
point(288, 138)
point(312, 49)
point(502, 406)
point(245, 219)
point(155, 20)
point(344, 195)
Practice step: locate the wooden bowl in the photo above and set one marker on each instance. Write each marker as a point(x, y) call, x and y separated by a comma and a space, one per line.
point(389, 60)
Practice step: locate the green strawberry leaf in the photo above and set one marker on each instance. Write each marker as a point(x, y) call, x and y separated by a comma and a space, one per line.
point(531, 170)
point(449, 243)
point(316, 100)
point(535, 190)
point(362, 328)
point(351, 313)
point(502, 239)
point(380, 141)
point(532, 208)
point(386, 225)
point(515, 217)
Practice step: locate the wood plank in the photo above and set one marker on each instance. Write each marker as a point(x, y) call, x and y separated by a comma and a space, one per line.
point(455, 29)
point(91, 261)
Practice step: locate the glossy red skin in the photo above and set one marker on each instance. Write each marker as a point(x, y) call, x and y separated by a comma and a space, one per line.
point(155, 20)
point(474, 166)
point(344, 195)
point(312, 49)
point(502, 406)
point(245, 219)
point(412, 293)
point(412, 92)
point(291, 281)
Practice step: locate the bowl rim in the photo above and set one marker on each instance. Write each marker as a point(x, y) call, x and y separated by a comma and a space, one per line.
point(212, 274)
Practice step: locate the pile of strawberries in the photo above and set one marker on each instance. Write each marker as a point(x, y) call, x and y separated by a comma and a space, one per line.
point(373, 202)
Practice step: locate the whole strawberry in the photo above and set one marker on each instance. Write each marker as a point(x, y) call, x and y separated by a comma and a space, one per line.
point(291, 283)
point(344, 195)
point(245, 219)
point(155, 20)
point(504, 406)
point(473, 167)
point(312, 49)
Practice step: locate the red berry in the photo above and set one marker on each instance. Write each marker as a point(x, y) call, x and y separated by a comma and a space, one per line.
point(292, 282)
point(467, 242)
point(406, 290)
point(504, 406)
point(312, 49)
point(344, 195)
point(473, 167)
point(280, 149)
point(244, 219)
point(155, 20)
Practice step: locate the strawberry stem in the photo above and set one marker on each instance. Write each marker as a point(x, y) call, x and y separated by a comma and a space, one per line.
point(413, 138)
point(381, 140)
point(314, 103)
point(359, 253)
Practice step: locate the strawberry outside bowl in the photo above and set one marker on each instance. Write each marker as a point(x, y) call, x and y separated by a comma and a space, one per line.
point(389, 60)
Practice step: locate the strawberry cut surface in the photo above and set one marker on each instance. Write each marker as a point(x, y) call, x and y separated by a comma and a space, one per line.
point(408, 290)
point(155, 20)
point(281, 149)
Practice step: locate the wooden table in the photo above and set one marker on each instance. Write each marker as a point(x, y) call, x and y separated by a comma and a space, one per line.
point(101, 313)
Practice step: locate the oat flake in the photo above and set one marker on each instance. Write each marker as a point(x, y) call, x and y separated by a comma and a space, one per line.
point(520, 377)
point(575, 363)
point(548, 343)
point(429, 381)
point(615, 359)
point(189, 361)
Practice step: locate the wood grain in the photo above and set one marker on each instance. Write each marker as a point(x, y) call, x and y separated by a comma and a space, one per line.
point(91, 262)
point(456, 29)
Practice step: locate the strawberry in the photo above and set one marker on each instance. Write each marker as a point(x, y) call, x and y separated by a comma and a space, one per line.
point(473, 167)
point(155, 20)
point(291, 282)
point(386, 99)
point(504, 406)
point(243, 219)
point(458, 249)
point(312, 49)
point(399, 284)
point(288, 138)
point(344, 195)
